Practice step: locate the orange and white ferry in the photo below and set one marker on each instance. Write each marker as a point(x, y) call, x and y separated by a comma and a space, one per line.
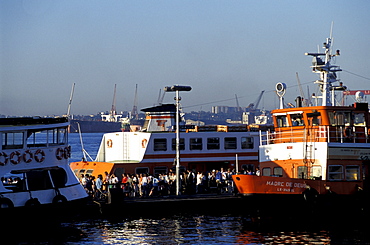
point(316, 150)
point(153, 149)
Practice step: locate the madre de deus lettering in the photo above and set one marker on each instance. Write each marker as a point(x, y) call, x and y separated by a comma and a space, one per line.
point(286, 184)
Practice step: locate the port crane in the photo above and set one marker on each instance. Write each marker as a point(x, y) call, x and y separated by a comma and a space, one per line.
point(112, 116)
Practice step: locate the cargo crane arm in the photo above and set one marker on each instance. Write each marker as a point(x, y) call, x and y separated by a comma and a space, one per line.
point(259, 99)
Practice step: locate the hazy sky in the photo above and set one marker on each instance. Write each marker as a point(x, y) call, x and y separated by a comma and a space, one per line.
point(220, 48)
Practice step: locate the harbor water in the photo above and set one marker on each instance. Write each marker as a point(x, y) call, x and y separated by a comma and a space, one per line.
point(196, 228)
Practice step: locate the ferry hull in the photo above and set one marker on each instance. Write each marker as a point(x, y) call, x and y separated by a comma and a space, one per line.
point(251, 185)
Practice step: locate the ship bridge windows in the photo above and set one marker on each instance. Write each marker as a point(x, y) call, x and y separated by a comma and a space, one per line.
point(213, 143)
point(196, 144)
point(181, 145)
point(359, 119)
point(340, 118)
point(247, 143)
point(296, 119)
point(314, 118)
point(230, 143)
point(282, 121)
point(160, 144)
point(13, 140)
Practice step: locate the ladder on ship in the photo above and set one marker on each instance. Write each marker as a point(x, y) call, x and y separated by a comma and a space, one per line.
point(126, 147)
point(309, 148)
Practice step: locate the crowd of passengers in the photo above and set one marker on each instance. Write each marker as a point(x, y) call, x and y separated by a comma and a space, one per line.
point(146, 185)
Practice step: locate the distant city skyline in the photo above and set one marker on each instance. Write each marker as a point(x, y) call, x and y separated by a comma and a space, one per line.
point(219, 48)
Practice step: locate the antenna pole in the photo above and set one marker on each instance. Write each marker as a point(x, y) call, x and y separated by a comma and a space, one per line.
point(70, 100)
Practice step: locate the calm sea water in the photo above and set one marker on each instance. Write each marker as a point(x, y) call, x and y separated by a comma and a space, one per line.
point(216, 229)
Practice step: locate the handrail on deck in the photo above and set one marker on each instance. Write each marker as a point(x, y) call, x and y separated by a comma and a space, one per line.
point(339, 134)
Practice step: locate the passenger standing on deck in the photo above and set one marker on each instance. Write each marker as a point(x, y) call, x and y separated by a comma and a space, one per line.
point(218, 177)
point(190, 182)
point(155, 184)
point(144, 185)
point(229, 180)
point(135, 188)
point(98, 185)
point(83, 181)
point(124, 179)
point(106, 180)
point(199, 183)
point(113, 181)
point(258, 172)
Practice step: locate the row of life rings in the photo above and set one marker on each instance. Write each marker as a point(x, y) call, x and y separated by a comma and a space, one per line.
point(16, 157)
point(63, 153)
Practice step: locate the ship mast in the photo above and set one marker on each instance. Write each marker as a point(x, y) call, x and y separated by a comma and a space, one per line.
point(321, 64)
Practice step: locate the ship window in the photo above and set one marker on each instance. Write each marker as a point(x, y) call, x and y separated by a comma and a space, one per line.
point(266, 171)
point(359, 119)
point(36, 138)
point(343, 118)
point(247, 142)
point(213, 143)
point(332, 118)
point(141, 170)
point(335, 172)
point(12, 140)
point(160, 170)
point(297, 119)
point(59, 177)
point(282, 121)
point(57, 136)
point(278, 172)
point(38, 180)
point(230, 143)
point(81, 172)
point(181, 145)
point(302, 172)
point(316, 172)
point(160, 144)
point(118, 172)
point(14, 182)
point(352, 173)
point(196, 144)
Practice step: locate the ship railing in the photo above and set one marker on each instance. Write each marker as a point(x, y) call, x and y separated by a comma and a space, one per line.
point(339, 134)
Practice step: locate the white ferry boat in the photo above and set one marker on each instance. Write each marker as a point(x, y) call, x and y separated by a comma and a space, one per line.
point(153, 149)
point(34, 166)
